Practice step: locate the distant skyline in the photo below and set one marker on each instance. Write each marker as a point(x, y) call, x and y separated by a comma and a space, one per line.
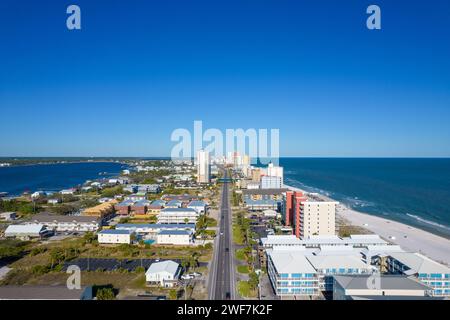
point(140, 69)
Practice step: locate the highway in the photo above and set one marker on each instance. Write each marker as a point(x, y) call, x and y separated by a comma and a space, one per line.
point(222, 284)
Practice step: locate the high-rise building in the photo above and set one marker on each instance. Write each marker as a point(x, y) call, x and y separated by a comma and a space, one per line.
point(309, 215)
point(275, 171)
point(246, 160)
point(271, 182)
point(203, 167)
point(256, 175)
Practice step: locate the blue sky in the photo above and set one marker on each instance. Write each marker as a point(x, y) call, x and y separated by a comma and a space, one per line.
point(140, 69)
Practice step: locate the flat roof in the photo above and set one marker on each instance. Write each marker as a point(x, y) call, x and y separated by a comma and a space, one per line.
point(387, 282)
point(155, 226)
point(324, 240)
point(196, 203)
point(264, 191)
point(290, 261)
point(331, 261)
point(25, 228)
point(47, 217)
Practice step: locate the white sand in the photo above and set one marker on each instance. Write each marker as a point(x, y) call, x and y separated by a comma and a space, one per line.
point(408, 237)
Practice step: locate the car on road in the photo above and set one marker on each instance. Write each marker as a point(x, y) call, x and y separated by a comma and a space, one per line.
point(221, 233)
point(227, 249)
point(227, 296)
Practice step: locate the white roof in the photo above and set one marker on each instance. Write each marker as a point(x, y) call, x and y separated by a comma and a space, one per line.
point(24, 228)
point(280, 240)
point(337, 261)
point(164, 266)
point(380, 250)
point(290, 261)
point(323, 240)
point(336, 250)
point(419, 263)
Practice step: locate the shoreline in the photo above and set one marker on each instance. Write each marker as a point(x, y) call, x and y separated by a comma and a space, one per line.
point(108, 176)
point(408, 237)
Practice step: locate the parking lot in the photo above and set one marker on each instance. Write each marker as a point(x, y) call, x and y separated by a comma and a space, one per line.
point(94, 264)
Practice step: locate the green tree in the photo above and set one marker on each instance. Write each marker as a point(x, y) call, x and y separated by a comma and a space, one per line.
point(105, 294)
point(173, 294)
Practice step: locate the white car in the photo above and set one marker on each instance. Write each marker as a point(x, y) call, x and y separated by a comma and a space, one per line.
point(186, 277)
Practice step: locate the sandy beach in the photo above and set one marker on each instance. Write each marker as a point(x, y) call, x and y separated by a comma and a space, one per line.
point(408, 237)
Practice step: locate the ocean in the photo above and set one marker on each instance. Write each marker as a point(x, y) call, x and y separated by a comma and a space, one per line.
point(54, 177)
point(412, 191)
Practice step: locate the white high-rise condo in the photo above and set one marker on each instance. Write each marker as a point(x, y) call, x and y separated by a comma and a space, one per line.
point(275, 171)
point(203, 167)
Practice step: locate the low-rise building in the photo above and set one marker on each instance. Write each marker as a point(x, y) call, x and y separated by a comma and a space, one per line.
point(8, 216)
point(112, 236)
point(26, 231)
point(137, 196)
point(427, 271)
point(66, 223)
point(159, 203)
point(53, 201)
point(102, 210)
point(140, 207)
point(178, 215)
point(197, 205)
point(172, 204)
point(367, 287)
point(165, 274)
point(124, 207)
point(261, 205)
point(264, 194)
point(371, 241)
point(175, 237)
point(70, 191)
point(154, 210)
point(151, 230)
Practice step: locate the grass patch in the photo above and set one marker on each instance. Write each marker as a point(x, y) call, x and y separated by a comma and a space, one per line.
point(238, 236)
point(243, 269)
point(245, 290)
point(240, 254)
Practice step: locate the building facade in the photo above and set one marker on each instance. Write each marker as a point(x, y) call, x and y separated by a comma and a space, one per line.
point(203, 167)
point(115, 236)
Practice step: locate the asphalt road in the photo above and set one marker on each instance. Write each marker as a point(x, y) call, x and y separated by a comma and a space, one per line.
point(222, 286)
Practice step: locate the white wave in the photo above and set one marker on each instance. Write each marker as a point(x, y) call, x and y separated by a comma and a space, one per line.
point(428, 221)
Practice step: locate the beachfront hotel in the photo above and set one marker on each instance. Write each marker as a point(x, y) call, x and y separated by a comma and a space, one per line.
point(308, 272)
point(427, 271)
point(308, 214)
point(309, 267)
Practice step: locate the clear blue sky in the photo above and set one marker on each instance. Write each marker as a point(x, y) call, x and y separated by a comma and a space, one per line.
point(139, 69)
